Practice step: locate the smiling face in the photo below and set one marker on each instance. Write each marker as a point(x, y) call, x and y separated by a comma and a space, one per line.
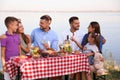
point(75, 24)
point(91, 39)
point(44, 24)
point(13, 26)
point(20, 28)
point(91, 29)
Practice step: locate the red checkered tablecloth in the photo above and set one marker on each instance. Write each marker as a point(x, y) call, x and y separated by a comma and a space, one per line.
point(51, 67)
point(11, 69)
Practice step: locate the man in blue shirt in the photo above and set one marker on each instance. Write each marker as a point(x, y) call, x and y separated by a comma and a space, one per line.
point(44, 37)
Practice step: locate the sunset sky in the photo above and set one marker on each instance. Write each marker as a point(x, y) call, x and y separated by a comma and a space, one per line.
point(60, 5)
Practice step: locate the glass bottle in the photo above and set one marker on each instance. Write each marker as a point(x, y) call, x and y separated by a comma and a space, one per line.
point(67, 46)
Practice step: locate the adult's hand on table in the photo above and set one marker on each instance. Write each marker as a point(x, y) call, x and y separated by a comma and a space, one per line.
point(46, 45)
point(84, 48)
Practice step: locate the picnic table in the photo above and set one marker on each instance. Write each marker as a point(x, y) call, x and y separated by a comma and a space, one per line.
point(47, 67)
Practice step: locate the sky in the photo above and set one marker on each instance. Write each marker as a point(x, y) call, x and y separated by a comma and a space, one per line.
point(60, 5)
point(32, 19)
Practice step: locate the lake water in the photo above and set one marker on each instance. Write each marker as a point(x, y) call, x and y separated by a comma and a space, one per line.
point(109, 22)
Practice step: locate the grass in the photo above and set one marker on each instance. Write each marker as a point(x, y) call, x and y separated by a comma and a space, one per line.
point(113, 75)
point(1, 76)
point(114, 71)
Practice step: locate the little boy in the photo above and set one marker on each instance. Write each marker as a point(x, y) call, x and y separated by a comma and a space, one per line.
point(10, 46)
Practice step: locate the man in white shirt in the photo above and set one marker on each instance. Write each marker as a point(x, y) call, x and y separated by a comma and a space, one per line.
point(73, 32)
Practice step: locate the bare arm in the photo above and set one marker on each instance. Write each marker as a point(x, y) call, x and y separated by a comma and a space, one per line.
point(27, 49)
point(3, 57)
point(19, 48)
point(90, 54)
point(2, 36)
point(103, 41)
point(79, 45)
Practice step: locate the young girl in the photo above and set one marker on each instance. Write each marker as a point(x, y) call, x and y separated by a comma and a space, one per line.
point(94, 27)
point(90, 48)
point(24, 39)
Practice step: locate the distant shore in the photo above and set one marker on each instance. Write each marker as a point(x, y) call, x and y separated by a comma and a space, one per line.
point(66, 11)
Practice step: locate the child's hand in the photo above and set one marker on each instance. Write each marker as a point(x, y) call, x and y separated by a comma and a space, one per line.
point(84, 48)
point(88, 55)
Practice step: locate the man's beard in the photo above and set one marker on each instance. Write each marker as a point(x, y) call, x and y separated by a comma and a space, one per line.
point(42, 28)
point(76, 28)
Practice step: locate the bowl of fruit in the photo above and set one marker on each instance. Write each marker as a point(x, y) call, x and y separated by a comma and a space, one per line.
point(36, 52)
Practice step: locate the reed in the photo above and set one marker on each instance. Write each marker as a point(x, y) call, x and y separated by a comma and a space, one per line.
point(109, 64)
